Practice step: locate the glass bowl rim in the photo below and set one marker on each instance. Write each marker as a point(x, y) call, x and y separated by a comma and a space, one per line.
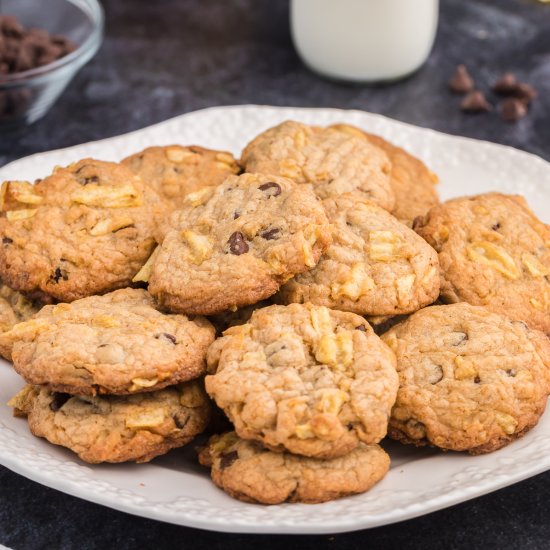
point(80, 55)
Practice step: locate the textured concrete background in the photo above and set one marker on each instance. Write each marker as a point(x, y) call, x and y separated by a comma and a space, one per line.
point(168, 57)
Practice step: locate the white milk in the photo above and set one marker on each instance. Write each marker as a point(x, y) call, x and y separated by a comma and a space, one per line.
point(364, 40)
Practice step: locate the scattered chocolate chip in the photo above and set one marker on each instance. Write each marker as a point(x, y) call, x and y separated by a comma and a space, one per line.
point(59, 274)
point(496, 226)
point(237, 244)
point(102, 345)
point(512, 109)
point(525, 92)
point(362, 328)
point(506, 84)
point(6, 240)
point(58, 400)
point(236, 215)
point(271, 234)
point(477, 380)
point(272, 189)
point(475, 102)
point(167, 336)
point(180, 420)
point(461, 82)
point(227, 459)
point(511, 372)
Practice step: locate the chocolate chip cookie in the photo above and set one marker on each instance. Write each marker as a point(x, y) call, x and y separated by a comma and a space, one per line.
point(469, 380)
point(411, 180)
point(14, 308)
point(334, 161)
point(305, 379)
point(118, 343)
point(375, 265)
point(249, 472)
point(235, 244)
point(493, 252)
point(111, 428)
point(174, 170)
point(86, 229)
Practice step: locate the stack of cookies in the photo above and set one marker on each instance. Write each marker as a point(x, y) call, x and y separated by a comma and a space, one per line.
point(318, 258)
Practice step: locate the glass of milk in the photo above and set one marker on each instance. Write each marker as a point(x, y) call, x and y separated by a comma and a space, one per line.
point(364, 40)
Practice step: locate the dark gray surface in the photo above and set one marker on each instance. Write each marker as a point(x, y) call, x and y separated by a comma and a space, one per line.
point(167, 57)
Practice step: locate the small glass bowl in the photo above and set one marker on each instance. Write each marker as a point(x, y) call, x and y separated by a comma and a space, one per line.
point(27, 96)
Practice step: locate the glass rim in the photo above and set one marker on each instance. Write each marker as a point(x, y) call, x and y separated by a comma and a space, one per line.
point(84, 52)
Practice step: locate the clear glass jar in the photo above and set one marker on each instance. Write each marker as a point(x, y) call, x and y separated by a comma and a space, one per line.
point(364, 40)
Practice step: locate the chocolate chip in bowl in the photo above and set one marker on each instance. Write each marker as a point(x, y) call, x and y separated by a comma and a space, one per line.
point(41, 51)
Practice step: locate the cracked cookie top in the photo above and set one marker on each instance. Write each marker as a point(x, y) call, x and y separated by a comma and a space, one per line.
point(304, 378)
point(493, 252)
point(469, 379)
point(118, 343)
point(334, 161)
point(375, 265)
point(116, 428)
point(249, 472)
point(86, 229)
point(235, 244)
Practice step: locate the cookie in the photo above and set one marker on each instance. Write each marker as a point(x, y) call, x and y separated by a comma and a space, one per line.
point(469, 380)
point(375, 265)
point(111, 428)
point(411, 180)
point(334, 161)
point(305, 379)
point(247, 471)
point(86, 229)
point(174, 171)
point(234, 245)
point(493, 252)
point(118, 343)
point(14, 308)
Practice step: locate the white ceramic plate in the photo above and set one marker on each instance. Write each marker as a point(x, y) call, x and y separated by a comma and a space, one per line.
point(174, 488)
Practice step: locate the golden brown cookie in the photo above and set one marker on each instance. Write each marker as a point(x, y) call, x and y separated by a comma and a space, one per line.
point(86, 229)
point(234, 245)
point(305, 379)
point(14, 308)
point(111, 428)
point(334, 161)
point(469, 380)
point(249, 472)
point(375, 265)
point(174, 171)
point(493, 252)
point(118, 343)
point(411, 180)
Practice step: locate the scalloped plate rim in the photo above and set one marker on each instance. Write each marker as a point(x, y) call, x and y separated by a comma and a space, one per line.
point(496, 477)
